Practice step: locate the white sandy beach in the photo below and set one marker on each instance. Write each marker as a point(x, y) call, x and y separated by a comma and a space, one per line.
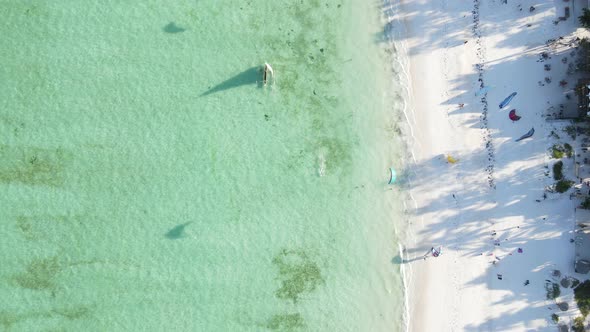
point(490, 203)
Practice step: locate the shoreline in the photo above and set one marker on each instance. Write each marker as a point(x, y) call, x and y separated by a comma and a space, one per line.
point(486, 206)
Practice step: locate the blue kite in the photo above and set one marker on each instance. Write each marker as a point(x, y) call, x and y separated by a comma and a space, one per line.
point(527, 135)
point(507, 101)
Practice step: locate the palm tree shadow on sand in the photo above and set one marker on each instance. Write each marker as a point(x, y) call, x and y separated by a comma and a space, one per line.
point(248, 76)
point(177, 231)
point(398, 260)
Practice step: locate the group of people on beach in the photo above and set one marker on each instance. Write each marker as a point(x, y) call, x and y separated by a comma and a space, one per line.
point(497, 258)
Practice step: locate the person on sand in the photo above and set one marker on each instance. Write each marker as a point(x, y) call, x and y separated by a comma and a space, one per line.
point(461, 105)
point(499, 276)
point(526, 282)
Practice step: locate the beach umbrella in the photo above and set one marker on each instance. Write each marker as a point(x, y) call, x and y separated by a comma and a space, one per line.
point(512, 115)
point(527, 135)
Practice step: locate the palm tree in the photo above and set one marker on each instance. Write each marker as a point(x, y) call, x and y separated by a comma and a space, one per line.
point(585, 18)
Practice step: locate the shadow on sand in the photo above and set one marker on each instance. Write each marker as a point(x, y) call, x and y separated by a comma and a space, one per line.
point(177, 231)
point(248, 76)
point(398, 260)
point(173, 28)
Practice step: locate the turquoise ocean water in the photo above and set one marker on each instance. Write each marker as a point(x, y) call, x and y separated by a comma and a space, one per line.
point(150, 182)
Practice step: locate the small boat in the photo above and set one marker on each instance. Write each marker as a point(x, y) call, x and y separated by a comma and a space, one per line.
point(266, 71)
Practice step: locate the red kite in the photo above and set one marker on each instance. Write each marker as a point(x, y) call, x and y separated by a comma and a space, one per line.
point(512, 115)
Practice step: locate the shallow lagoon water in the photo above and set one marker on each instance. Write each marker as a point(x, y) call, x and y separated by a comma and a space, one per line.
point(150, 181)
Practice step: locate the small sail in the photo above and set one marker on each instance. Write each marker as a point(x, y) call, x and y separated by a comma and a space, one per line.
point(436, 251)
point(267, 71)
point(393, 175)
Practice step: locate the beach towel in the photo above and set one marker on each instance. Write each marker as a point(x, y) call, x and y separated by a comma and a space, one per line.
point(507, 100)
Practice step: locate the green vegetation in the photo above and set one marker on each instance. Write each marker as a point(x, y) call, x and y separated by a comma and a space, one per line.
point(8, 319)
point(563, 185)
point(569, 151)
point(578, 325)
point(285, 322)
point(557, 170)
point(72, 313)
point(39, 275)
point(557, 151)
point(298, 274)
point(571, 130)
point(553, 290)
point(583, 64)
point(586, 203)
point(582, 296)
point(585, 18)
point(32, 166)
point(555, 318)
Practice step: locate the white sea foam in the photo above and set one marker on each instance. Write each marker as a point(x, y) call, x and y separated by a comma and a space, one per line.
point(396, 33)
